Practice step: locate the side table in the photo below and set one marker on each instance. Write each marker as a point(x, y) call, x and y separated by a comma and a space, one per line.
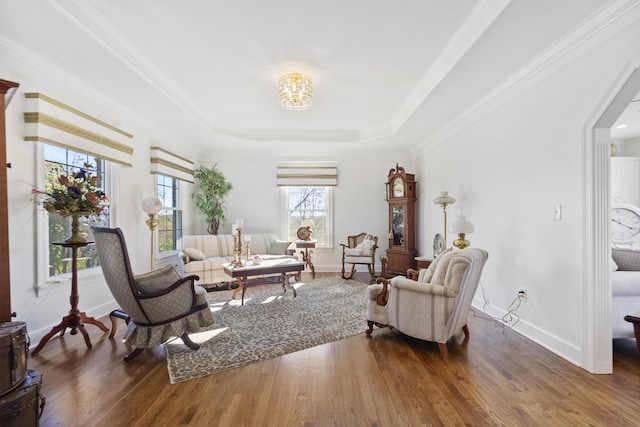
point(423, 262)
point(76, 319)
point(307, 254)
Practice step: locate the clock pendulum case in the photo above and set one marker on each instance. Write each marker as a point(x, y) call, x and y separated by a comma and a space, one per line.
point(401, 197)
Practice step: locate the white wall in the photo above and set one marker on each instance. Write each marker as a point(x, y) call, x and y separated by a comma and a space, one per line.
point(509, 168)
point(359, 198)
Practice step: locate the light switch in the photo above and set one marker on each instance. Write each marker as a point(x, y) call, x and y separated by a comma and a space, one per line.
point(557, 213)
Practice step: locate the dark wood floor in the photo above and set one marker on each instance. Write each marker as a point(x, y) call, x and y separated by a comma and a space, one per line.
point(495, 377)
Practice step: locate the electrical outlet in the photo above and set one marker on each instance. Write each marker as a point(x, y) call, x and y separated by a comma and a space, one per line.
point(522, 294)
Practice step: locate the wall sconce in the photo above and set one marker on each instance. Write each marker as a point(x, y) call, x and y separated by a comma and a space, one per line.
point(152, 205)
point(461, 226)
point(444, 200)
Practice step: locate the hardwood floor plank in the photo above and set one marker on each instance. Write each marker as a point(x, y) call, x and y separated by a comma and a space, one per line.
point(494, 377)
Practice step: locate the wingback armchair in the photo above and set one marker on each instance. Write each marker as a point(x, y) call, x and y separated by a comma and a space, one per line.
point(158, 305)
point(431, 304)
point(360, 249)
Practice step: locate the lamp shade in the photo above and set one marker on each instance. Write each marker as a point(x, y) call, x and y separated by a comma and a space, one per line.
point(151, 205)
point(461, 225)
point(444, 199)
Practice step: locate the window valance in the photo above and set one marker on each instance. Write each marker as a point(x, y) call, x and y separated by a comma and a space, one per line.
point(53, 122)
point(307, 175)
point(166, 163)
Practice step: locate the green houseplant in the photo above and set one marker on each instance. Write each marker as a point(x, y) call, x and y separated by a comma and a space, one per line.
point(211, 189)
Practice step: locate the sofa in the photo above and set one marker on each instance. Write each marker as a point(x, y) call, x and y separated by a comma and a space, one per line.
point(205, 255)
point(625, 289)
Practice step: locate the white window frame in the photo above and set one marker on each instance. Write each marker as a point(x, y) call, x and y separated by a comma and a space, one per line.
point(44, 283)
point(284, 203)
point(181, 188)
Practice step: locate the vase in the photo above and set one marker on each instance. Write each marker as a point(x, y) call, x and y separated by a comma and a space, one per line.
point(76, 235)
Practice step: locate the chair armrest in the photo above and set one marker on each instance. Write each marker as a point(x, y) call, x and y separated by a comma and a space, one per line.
point(170, 288)
point(401, 282)
point(381, 299)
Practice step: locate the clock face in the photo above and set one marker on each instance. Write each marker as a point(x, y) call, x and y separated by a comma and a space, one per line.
point(398, 187)
point(625, 223)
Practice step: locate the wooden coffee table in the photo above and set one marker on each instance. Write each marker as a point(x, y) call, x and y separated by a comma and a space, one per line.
point(285, 267)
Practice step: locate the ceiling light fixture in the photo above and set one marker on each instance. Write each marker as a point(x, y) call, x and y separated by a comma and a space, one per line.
point(295, 92)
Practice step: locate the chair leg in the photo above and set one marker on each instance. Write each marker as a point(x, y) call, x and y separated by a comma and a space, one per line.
point(444, 351)
point(370, 327)
point(353, 271)
point(135, 353)
point(465, 329)
point(372, 273)
point(187, 341)
point(118, 313)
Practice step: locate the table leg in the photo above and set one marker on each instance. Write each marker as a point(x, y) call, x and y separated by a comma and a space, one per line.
point(92, 321)
point(58, 328)
point(241, 287)
point(285, 283)
point(306, 258)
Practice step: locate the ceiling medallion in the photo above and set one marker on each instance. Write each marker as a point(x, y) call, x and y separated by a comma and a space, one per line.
point(295, 92)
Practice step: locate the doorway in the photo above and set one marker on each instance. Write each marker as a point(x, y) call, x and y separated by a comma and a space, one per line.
point(597, 341)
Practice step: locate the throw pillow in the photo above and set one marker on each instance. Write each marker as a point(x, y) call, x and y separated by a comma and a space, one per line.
point(194, 254)
point(612, 265)
point(279, 247)
point(156, 280)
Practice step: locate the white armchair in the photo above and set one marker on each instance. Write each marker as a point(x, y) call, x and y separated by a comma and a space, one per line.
point(432, 305)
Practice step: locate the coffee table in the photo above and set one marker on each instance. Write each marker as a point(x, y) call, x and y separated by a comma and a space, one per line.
point(286, 267)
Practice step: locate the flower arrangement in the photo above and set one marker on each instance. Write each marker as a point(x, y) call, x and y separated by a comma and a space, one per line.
point(76, 193)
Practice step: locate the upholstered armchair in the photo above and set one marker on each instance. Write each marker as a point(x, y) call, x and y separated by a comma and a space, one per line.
point(157, 305)
point(360, 249)
point(431, 304)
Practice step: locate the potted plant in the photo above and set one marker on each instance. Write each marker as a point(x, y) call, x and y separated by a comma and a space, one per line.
point(211, 189)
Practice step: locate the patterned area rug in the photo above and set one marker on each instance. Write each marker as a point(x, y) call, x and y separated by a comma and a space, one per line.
point(270, 324)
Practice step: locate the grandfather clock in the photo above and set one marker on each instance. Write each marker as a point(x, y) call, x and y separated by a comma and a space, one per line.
point(401, 197)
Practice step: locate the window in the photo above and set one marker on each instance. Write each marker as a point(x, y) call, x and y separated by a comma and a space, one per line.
point(310, 203)
point(170, 217)
point(58, 161)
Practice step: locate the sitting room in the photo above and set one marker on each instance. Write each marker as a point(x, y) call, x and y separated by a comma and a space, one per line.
point(239, 188)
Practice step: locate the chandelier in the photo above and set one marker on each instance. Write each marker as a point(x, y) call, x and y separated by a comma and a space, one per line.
point(295, 92)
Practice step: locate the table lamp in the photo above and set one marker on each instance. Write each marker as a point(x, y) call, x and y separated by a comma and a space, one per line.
point(461, 226)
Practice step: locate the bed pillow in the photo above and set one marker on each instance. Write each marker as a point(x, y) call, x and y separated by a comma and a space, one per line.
point(279, 247)
point(194, 254)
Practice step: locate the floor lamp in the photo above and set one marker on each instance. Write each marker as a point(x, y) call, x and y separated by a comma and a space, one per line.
point(444, 200)
point(152, 205)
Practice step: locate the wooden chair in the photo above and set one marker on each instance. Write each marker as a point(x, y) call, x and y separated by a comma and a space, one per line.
point(360, 250)
point(157, 305)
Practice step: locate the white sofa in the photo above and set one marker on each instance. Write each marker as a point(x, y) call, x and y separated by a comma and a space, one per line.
point(205, 255)
point(625, 290)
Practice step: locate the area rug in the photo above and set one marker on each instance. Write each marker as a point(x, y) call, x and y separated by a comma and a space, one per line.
point(270, 324)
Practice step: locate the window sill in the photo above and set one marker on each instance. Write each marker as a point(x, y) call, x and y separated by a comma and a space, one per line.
point(62, 283)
